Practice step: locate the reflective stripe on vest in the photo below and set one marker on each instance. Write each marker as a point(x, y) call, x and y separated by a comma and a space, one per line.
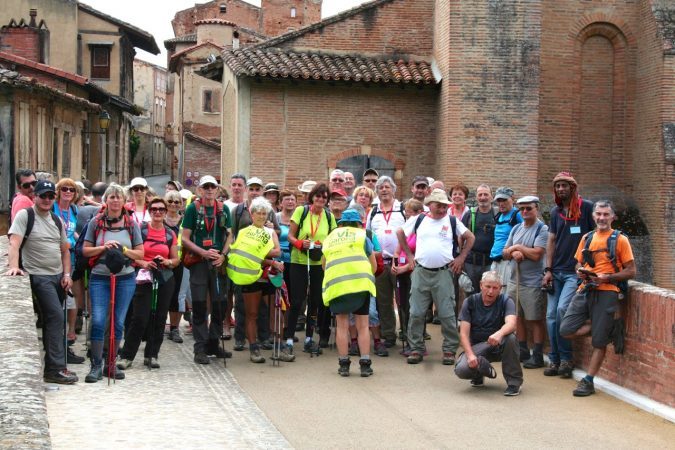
point(348, 269)
point(244, 264)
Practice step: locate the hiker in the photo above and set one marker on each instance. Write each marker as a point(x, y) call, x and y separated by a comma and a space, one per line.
point(487, 334)
point(237, 191)
point(419, 188)
point(25, 195)
point(138, 206)
point(43, 249)
point(458, 194)
point(349, 186)
point(507, 217)
point(604, 263)
point(481, 222)
point(173, 219)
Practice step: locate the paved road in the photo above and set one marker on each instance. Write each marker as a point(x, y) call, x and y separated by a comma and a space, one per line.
point(305, 404)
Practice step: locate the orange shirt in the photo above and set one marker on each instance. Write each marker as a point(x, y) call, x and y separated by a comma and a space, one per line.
point(624, 255)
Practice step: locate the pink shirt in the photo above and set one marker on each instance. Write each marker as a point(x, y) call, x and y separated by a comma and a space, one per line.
point(20, 202)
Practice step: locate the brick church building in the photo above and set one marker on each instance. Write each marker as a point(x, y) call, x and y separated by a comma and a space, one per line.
point(503, 92)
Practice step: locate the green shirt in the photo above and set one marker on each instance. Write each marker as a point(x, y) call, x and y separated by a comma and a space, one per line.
point(200, 231)
point(300, 257)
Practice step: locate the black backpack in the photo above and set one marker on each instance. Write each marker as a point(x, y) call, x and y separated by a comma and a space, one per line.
point(376, 209)
point(453, 225)
point(168, 235)
point(29, 227)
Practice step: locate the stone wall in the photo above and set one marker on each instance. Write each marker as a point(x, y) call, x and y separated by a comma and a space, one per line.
point(23, 412)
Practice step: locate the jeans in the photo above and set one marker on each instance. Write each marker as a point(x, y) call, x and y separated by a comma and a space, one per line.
point(507, 352)
point(99, 292)
point(50, 297)
point(564, 288)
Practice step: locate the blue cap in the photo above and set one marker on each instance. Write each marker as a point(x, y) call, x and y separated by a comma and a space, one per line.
point(350, 215)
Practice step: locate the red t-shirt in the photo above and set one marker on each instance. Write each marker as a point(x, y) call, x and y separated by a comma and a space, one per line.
point(156, 245)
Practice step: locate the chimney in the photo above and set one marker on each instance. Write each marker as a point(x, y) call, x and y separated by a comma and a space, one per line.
point(33, 15)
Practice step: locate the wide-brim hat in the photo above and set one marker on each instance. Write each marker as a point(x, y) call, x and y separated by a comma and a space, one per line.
point(271, 187)
point(350, 215)
point(176, 184)
point(307, 186)
point(437, 195)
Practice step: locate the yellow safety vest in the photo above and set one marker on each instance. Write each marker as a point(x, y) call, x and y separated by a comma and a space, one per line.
point(244, 263)
point(348, 270)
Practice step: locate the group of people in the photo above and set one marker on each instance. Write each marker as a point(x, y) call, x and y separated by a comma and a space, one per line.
point(349, 259)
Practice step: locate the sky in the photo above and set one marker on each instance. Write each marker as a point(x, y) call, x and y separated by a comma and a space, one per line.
point(154, 16)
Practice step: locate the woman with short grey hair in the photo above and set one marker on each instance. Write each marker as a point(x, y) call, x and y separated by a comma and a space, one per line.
point(385, 179)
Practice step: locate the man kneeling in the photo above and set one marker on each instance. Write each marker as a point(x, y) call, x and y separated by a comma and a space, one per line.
point(487, 334)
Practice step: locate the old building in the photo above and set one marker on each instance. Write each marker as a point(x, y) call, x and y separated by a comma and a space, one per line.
point(500, 92)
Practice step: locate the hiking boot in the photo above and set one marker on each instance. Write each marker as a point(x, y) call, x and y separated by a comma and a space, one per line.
point(124, 364)
point(566, 368)
point(267, 345)
point(524, 354)
point(354, 349)
point(239, 346)
point(552, 370)
point(115, 373)
point(477, 382)
point(448, 359)
point(535, 362)
point(286, 354)
point(256, 357)
point(174, 335)
point(366, 370)
point(218, 352)
point(63, 376)
point(73, 358)
point(381, 349)
point(584, 388)
point(95, 373)
point(343, 370)
point(512, 390)
point(152, 362)
point(201, 358)
point(415, 358)
point(312, 347)
point(323, 342)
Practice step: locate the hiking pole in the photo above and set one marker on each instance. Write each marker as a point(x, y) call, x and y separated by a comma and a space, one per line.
point(85, 312)
point(517, 287)
point(276, 344)
point(65, 331)
point(220, 312)
point(111, 344)
point(153, 316)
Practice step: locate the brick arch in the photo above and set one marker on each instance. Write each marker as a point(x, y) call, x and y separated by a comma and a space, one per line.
point(605, 18)
point(399, 164)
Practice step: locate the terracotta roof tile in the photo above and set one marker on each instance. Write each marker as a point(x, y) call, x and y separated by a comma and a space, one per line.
point(277, 63)
point(78, 79)
point(215, 22)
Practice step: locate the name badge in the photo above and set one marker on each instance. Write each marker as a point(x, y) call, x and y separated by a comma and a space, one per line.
point(575, 230)
point(207, 242)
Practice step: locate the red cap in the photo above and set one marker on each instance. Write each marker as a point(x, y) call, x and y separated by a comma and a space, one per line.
point(340, 192)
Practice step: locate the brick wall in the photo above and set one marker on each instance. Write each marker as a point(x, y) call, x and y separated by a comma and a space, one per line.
point(201, 158)
point(206, 131)
point(648, 364)
point(24, 42)
point(276, 15)
point(238, 11)
point(297, 132)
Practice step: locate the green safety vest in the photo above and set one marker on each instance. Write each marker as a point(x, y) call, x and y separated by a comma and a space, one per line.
point(348, 270)
point(244, 262)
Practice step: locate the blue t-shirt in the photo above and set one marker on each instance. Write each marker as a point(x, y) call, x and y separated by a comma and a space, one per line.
point(69, 221)
point(503, 228)
point(568, 234)
point(284, 244)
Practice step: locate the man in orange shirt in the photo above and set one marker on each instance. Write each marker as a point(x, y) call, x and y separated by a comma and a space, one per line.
point(592, 308)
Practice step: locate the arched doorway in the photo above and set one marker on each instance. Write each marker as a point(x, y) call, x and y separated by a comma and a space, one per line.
point(359, 163)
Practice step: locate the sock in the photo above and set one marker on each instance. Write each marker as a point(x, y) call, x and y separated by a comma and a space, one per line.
point(173, 327)
point(376, 341)
point(365, 356)
point(343, 358)
point(523, 345)
point(289, 342)
point(307, 339)
point(589, 378)
point(539, 349)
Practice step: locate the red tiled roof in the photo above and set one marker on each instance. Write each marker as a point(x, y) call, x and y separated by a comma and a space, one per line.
point(176, 56)
point(44, 68)
point(215, 22)
point(277, 63)
point(202, 140)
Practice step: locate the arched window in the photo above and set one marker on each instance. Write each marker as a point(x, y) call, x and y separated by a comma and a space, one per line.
point(358, 164)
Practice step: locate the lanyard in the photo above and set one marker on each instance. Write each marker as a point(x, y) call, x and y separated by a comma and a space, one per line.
point(208, 225)
point(313, 230)
point(66, 218)
point(142, 215)
point(387, 215)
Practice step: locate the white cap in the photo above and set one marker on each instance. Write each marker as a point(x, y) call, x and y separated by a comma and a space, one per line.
point(528, 199)
point(138, 181)
point(206, 179)
point(185, 194)
point(254, 180)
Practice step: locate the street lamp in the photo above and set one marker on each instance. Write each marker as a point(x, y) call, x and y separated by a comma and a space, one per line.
point(103, 123)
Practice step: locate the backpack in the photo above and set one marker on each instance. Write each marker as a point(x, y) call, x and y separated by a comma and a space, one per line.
point(611, 249)
point(453, 225)
point(513, 220)
point(376, 209)
point(379, 259)
point(168, 234)
point(83, 263)
point(540, 225)
point(29, 227)
point(305, 212)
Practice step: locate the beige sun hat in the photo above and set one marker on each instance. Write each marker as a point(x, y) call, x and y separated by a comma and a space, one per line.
point(437, 195)
point(307, 186)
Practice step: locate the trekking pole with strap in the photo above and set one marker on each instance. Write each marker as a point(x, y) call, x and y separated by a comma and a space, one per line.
point(309, 318)
point(112, 351)
point(153, 314)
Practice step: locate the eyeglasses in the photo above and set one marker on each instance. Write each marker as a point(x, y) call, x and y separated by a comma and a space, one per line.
point(68, 189)
point(47, 195)
point(526, 208)
point(370, 180)
point(420, 186)
point(337, 180)
point(209, 186)
point(157, 210)
point(174, 202)
point(137, 188)
point(28, 184)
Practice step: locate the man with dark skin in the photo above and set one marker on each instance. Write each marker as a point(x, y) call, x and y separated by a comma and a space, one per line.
point(25, 183)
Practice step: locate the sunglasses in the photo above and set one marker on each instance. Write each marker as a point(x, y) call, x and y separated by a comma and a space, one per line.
point(174, 202)
point(47, 195)
point(209, 186)
point(28, 184)
point(420, 186)
point(157, 210)
point(337, 180)
point(137, 188)
point(526, 208)
point(68, 189)
point(370, 180)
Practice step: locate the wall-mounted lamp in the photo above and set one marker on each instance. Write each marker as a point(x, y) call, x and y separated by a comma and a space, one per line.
point(103, 123)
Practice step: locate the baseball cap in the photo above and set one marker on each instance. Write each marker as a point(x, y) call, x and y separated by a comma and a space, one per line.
point(340, 192)
point(44, 186)
point(138, 181)
point(528, 199)
point(420, 179)
point(371, 170)
point(206, 179)
point(176, 184)
point(271, 187)
point(503, 193)
point(254, 180)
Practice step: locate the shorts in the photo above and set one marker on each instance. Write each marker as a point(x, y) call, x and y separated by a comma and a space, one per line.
point(532, 302)
point(373, 316)
point(258, 286)
point(599, 306)
point(503, 268)
point(351, 303)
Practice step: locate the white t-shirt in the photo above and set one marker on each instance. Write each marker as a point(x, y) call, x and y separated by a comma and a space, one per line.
point(385, 226)
point(434, 240)
point(232, 205)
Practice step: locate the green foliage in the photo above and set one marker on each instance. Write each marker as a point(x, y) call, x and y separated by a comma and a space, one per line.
point(134, 145)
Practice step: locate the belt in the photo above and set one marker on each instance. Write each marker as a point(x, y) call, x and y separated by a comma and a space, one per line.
point(437, 269)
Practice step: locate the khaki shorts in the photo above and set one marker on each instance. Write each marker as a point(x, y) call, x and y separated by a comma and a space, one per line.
point(532, 302)
point(503, 268)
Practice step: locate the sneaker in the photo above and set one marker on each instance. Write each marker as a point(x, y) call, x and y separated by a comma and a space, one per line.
point(552, 370)
point(174, 335)
point(95, 373)
point(366, 370)
point(124, 364)
point(286, 354)
point(405, 351)
point(584, 388)
point(512, 390)
point(323, 342)
point(389, 343)
point(415, 358)
point(477, 382)
point(524, 354)
point(312, 347)
point(114, 373)
point(535, 362)
point(566, 368)
point(427, 336)
point(448, 358)
point(64, 376)
point(239, 345)
point(152, 362)
point(256, 357)
point(267, 345)
point(218, 352)
point(354, 349)
point(381, 349)
point(343, 370)
point(201, 358)
point(73, 358)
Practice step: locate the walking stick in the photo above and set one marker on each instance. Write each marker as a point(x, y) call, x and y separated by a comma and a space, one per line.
point(112, 351)
point(276, 336)
point(517, 287)
point(220, 311)
point(153, 315)
point(85, 311)
point(65, 332)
